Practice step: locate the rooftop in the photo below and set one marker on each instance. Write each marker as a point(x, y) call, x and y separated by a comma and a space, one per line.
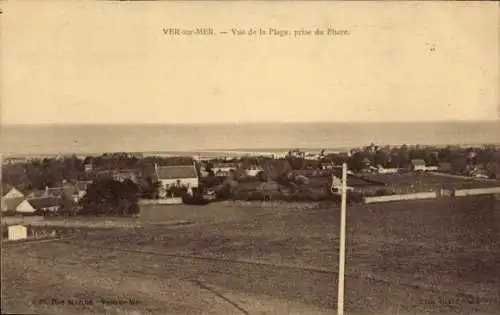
point(44, 202)
point(418, 162)
point(176, 172)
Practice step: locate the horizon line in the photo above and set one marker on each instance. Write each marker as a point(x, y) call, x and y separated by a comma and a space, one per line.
point(252, 122)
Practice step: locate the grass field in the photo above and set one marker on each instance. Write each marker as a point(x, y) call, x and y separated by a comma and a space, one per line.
point(418, 257)
point(426, 182)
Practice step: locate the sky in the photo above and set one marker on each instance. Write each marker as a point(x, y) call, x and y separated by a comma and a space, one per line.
point(110, 62)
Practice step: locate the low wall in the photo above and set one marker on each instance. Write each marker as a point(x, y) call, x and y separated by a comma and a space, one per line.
point(167, 201)
point(435, 194)
point(477, 191)
point(415, 196)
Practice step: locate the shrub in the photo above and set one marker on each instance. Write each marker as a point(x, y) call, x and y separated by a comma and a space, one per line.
point(259, 196)
point(241, 195)
point(383, 192)
point(195, 200)
point(133, 209)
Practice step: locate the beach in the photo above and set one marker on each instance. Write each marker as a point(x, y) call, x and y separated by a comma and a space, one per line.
point(207, 139)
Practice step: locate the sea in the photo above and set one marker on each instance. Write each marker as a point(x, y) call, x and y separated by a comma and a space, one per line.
point(83, 140)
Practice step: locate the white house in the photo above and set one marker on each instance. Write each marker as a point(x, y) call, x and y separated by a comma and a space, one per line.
point(176, 176)
point(25, 207)
point(12, 199)
point(418, 165)
point(382, 170)
point(81, 189)
point(17, 232)
point(13, 193)
point(123, 175)
point(280, 155)
point(432, 168)
point(336, 185)
point(312, 156)
point(224, 168)
point(253, 171)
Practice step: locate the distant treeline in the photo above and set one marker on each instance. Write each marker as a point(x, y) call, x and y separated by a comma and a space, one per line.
point(52, 172)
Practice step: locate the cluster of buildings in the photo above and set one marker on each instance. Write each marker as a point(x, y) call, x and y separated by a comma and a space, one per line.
point(225, 169)
point(47, 200)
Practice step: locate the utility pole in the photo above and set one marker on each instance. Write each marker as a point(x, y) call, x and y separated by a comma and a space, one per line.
point(343, 210)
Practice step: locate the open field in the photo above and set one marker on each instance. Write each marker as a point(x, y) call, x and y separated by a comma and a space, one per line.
point(426, 182)
point(419, 257)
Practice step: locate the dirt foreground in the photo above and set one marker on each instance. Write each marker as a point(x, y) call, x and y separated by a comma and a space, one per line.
point(420, 257)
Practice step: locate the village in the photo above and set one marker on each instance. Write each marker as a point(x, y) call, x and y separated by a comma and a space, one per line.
point(45, 187)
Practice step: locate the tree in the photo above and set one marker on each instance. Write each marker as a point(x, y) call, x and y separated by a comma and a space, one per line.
point(148, 188)
point(67, 206)
point(357, 161)
point(404, 156)
point(296, 163)
point(110, 197)
point(381, 158)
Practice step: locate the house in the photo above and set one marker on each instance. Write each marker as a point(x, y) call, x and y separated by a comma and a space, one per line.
point(41, 204)
point(312, 156)
point(17, 232)
point(327, 166)
point(432, 168)
point(311, 173)
point(418, 165)
point(381, 170)
point(12, 199)
point(13, 193)
point(13, 160)
point(123, 175)
point(280, 155)
point(478, 172)
point(118, 175)
point(253, 170)
point(203, 171)
point(224, 169)
point(73, 191)
point(11, 203)
point(176, 176)
point(81, 189)
point(223, 173)
point(336, 185)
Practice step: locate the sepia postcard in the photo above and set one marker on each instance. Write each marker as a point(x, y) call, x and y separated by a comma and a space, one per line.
point(250, 157)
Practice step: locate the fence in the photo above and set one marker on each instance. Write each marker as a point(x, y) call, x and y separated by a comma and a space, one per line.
point(414, 196)
point(166, 201)
point(477, 191)
point(435, 194)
